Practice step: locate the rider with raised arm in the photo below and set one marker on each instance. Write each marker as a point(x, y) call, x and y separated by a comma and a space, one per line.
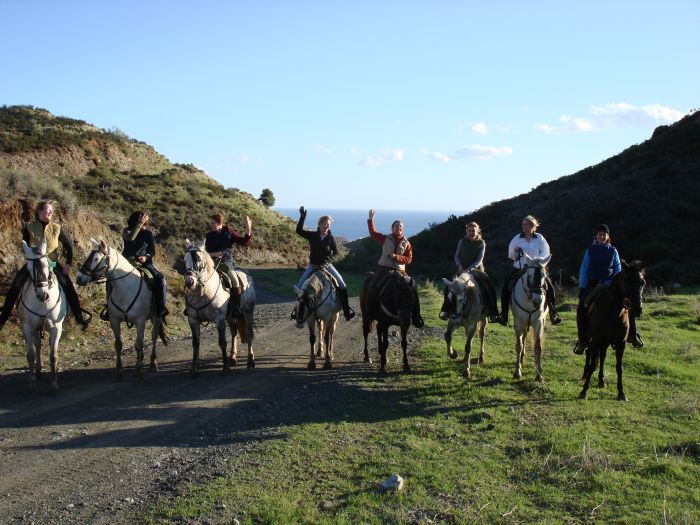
point(535, 245)
point(219, 243)
point(469, 257)
point(396, 254)
point(322, 249)
point(33, 234)
point(140, 248)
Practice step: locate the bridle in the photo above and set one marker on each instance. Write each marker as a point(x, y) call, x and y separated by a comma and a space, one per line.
point(101, 269)
point(196, 272)
point(312, 306)
point(38, 282)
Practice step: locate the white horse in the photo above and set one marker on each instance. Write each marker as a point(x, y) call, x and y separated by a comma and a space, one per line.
point(130, 301)
point(469, 311)
point(207, 301)
point(529, 308)
point(42, 304)
point(322, 307)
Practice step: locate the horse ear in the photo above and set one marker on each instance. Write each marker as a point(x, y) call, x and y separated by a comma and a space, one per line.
point(27, 250)
point(188, 244)
point(624, 264)
point(94, 244)
point(103, 246)
point(547, 259)
point(447, 282)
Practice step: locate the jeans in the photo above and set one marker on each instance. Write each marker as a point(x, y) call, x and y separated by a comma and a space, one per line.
point(331, 269)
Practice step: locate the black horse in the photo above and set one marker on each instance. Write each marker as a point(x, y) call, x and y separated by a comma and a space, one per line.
point(390, 304)
point(608, 322)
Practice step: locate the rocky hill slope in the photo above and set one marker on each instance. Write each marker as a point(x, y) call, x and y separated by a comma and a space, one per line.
point(98, 177)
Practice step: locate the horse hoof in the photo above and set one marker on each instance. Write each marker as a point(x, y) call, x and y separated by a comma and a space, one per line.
point(37, 374)
point(194, 373)
point(583, 394)
point(251, 363)
point(53, 387)
point(227, 370)
point(539, 378)
point(622, 397)
point(452, 354)
point(383, 372)
point(232, 361)
point(517, 376)
point(601, 384)
point(327, 365)
point(406, 367)
point(153, 366)
point(481, 361)
point(311, 365)
point(467, 374)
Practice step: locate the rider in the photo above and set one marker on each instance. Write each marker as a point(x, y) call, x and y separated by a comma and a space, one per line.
point(469, 257)
point(599, 265)
point(535, 245)
point(396, 254)
point(140, 248)
point(218, 242)
point(322, 249)
point(33, 234)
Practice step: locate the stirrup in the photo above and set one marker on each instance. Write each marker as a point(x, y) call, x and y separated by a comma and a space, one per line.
point(104, 314)
point(555, 319)
point(349, 314)
point(417, 321)
point(293, 315)
point(444, 315)
point(637, 341)
point(580, 347)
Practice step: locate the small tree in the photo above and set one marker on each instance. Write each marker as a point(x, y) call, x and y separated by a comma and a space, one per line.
point(267, 197)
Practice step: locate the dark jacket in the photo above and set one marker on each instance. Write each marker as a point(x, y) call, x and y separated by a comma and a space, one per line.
point(321, 250)
point(139, 242)
point(223, 240)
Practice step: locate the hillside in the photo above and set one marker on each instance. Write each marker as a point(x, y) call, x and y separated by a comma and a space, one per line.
point(648, 195)
point(98, 177)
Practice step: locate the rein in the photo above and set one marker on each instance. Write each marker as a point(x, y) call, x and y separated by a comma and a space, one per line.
point(194, 273)
point(312, 310)
point(528, 294)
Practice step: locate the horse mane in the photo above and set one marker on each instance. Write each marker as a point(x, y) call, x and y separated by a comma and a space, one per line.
point(313, 284)
point(208, 261)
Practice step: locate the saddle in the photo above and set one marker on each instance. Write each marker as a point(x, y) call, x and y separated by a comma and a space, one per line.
point(592, 297)
point(328, 275)
point(386, 280)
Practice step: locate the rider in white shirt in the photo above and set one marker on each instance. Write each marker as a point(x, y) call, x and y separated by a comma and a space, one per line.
point(535, 245)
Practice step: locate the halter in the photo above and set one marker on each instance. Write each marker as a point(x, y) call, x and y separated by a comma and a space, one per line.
point(196, 274)
point(529, 289)
point(312, 308)
point(38, 283)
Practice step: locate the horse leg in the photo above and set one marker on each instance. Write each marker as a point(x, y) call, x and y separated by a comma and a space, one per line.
point(31, 355)
point(250, 335)
point(328, 338)
point(619, 352)
point(519, 352)
point(591, 361)
point(482, 335)
point(319, 328)
point(221, 330)
point(140, 335)
point(448, 340)
point(538, 333)
point(233, 329)
point(365, 333)
point(601, 373)
point(196, 330)
point(39, 365)
point(54, 337)
point(383, 344)
point(467, 366)
point(404, 347)
point(155, 329)
point(117, 331)
point(312, 342)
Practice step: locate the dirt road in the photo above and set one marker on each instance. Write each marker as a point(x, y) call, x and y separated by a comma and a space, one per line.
point(101, 451)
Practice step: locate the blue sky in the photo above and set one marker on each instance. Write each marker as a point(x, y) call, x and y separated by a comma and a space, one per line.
point(397, 105)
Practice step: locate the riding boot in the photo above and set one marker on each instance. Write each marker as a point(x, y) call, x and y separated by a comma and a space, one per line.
point(486, 282)
point(416, 318)
point(551, 302)
point(632, 335)
point(13, 295)
point(159, 290)
point(445, 308)
point(348, 312)
point(581, 344)
point(505, 302)
point(234, 304)
point(73, 300)
point(299, 317)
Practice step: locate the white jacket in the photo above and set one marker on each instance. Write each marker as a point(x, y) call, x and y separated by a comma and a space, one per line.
point(537, 248)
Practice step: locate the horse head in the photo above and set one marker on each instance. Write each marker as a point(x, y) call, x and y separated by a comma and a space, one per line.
point(198, 264)
point(96, 263)
point(311, 292)
point(536, 277)
point(457, 291)
point(632, 282)
point(39, 269)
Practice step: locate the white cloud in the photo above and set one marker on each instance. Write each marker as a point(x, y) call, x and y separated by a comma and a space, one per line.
point(470, 152)
point(323, 149)
point(383, 157)
point(241, 159)
point(615, 115)
point(480, 128)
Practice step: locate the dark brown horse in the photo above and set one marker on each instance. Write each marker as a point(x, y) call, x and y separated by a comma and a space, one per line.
point(391, 304)
point(608, 323)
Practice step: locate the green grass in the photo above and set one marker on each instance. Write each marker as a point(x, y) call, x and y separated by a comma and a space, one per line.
point(492, 450)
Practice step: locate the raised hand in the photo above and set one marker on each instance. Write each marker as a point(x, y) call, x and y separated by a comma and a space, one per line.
point(371, 215)
point(302, 211)
point(248, 225)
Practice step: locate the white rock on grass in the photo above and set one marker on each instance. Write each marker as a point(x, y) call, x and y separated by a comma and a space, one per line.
point(393, 483)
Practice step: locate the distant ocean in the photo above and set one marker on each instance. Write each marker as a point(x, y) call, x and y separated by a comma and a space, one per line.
point(352, 224)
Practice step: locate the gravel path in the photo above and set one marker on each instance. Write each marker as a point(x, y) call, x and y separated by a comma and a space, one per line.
point(101, 451)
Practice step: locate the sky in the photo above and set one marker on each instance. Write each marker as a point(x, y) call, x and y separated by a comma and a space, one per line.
point(440, 105)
